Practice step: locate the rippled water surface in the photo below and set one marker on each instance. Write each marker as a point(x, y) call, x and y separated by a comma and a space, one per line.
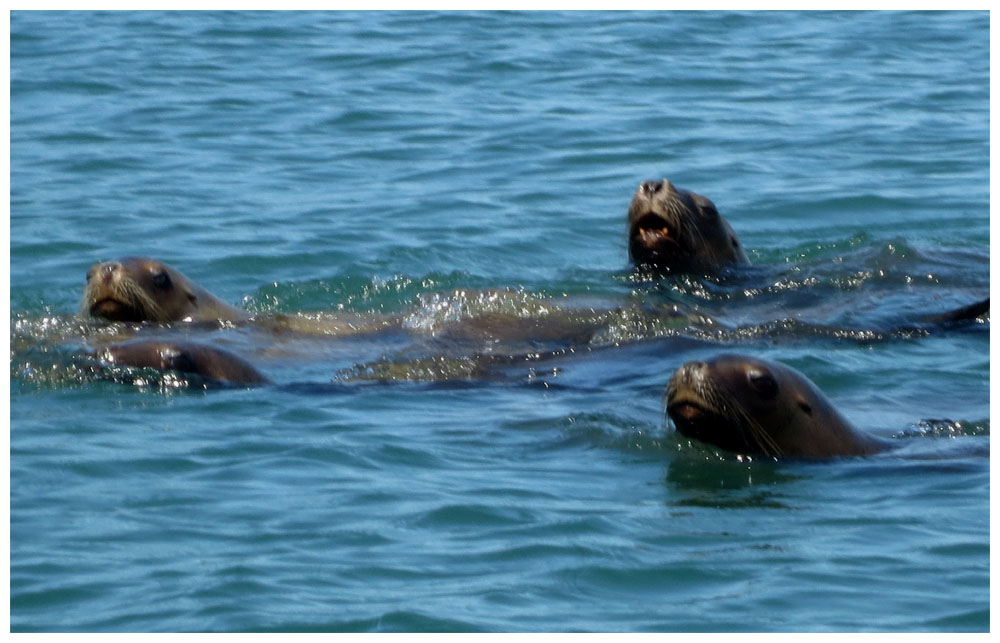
point(442, 168)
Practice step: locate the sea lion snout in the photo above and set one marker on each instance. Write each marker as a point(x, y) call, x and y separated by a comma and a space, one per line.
point(682, 389)
point(109, 271)
point(104, 271)
point(652, 187)
point(690, 373)
point(696, 366)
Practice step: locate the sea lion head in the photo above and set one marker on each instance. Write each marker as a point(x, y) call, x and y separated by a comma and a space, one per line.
point(137, 289)
point(675, 230)
point(757, 407)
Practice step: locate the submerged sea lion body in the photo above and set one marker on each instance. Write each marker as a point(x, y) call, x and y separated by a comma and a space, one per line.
point(184, 357)
point(675, 230)
point(138, 289)
point(757, 407)
point(963, 314)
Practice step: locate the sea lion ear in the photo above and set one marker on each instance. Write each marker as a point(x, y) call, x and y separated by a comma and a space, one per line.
point(805, 406)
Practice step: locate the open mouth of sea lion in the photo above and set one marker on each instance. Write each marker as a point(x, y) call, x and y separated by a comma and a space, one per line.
point(686, 411)
point(689, 411)
point(652, 230)
point(114, 310)
point(694, 420)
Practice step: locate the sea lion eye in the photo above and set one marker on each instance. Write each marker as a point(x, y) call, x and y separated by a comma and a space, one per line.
point(763, 383)
point(161, 280)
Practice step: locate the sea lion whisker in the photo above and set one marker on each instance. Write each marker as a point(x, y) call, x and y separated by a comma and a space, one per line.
point(729, 406)
point(709, 248)
point(138, 299)
point(675, 217)
point(720, 403)
point(764, 439)
point(757, 431)
point(126, 293)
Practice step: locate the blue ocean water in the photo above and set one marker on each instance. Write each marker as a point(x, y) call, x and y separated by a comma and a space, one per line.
point(377, 163)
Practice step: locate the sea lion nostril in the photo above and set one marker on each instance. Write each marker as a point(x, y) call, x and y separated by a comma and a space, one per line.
point(695, 368)
point(108, 270)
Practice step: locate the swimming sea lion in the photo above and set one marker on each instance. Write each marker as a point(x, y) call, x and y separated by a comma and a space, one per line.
point(184, 357)
point(674, 230)
point(137, 289)
point(756, 407)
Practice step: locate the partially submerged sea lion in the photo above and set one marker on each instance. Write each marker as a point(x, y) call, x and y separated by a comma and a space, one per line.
point(184, 357)
point(757, 407)
point(137, 289)
point(141, 289)
point(675, 230)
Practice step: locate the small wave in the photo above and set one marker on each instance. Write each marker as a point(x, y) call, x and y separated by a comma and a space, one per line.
point(945, 429)
point(439, 310)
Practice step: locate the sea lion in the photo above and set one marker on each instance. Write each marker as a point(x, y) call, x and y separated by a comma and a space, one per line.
point(675, 230)
point(138, 289)
point(185, 357)
point(756, 407)
point(963, 314)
